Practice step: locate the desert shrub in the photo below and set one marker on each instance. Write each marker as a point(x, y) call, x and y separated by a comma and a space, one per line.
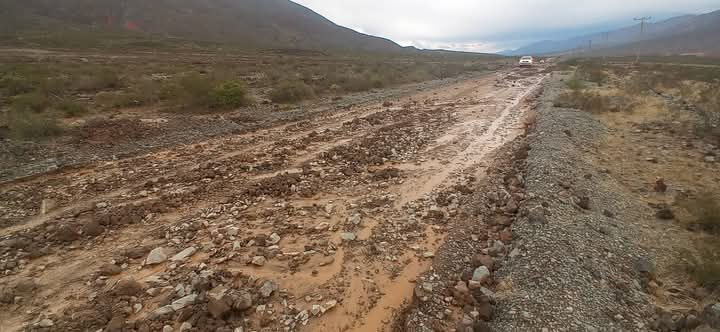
point(99, 80)
point(31, 125)
point(596, 75)
point(146, 92)
point(71, 108)
point(231, 94)
point(575, 83)
point(705, 209)
point(14, 85)
point(34, 101)
point(115, 99)
point(291, 92)
point(195, 90)
point(704, 267)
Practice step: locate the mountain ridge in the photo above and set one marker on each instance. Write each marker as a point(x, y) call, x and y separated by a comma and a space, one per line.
point(685, 25)
point(264, 24)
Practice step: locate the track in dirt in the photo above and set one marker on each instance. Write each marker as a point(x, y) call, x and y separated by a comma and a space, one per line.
point(311, 225)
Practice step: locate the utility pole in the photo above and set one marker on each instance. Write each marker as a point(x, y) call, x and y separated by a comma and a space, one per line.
point(642, 30)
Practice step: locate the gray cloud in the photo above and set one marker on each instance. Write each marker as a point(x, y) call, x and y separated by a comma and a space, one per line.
point(487, 26)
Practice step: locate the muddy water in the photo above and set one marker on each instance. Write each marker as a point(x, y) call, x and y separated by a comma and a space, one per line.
point(455, 128)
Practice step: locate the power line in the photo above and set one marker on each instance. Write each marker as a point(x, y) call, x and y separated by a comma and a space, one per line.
point(642, 20)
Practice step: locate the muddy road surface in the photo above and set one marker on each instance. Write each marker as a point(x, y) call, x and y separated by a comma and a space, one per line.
point(320, 224)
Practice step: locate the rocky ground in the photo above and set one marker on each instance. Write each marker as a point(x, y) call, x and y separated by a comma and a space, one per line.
point(322, 221)
point(574, 230)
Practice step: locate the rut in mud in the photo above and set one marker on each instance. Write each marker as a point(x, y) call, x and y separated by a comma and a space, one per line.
point(313, 225)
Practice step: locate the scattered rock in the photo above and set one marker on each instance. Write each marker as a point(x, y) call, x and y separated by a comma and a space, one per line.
point(268, 288)
point(348, 236)
point(356, 219)
point(323, 226)
point(537, 215)
point(184, 302)
point(218, 308)
point(183, 255)
point(109, 270)
point(660, 185)
point(157, 256)
point(128, 287)
point(665, 213)
point(66, 233)
point(45, 323)
point(483, 260)
point(93, 229)
point(583, 201)
point(481, 274)
point(273, 239)
point(711, 315)
point(258, 261)
point(327, 306)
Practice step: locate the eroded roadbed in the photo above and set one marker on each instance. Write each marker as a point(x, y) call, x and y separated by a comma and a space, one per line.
point(315, 225)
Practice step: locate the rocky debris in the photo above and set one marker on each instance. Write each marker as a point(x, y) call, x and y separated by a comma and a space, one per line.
point(323, 226)
point(157, 256)
point(660, 185)
point(109, 270)
point(664, 212)
point(128, 287)
point(471, 251)
point(583, 201)
point(45, 323)
point(273, 239)
point(711, 315)
point(223, 305)
point(481, 274)
point(267, 288)
point(348, 236)
point(93, 228)
point(258, 261)
point(183, 255)
point(184, 302)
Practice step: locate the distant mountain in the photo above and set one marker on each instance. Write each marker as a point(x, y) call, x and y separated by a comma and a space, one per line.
point(280, 24)
point(682, 34)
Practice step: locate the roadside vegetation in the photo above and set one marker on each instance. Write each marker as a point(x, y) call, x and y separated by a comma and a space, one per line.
point(681, 101)
point(42, 93)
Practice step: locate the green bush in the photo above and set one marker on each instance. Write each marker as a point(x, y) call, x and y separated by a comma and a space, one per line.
point(71, 108)
point(34, 101)
point(30, 125)
point(230, 94)
point(291, 92)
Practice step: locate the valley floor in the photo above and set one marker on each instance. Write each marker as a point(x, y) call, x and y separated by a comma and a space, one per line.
point(322, 222)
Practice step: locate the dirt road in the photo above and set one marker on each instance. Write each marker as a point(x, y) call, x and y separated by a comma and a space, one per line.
point(313, 225)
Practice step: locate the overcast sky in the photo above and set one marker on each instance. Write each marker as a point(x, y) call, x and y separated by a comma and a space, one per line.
point(493, 25)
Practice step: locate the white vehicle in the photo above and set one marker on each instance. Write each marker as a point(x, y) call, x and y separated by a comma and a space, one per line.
point(526, 61)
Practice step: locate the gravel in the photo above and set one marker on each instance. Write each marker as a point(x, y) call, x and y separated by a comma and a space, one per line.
point(574, 267)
